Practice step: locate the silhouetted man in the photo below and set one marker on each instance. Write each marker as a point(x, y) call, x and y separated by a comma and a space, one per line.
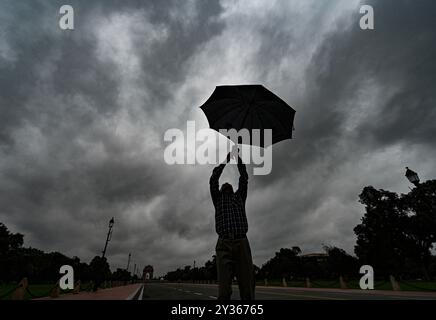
point(232, 249)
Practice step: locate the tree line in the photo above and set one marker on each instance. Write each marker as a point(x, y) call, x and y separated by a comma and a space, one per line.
point(17, 262)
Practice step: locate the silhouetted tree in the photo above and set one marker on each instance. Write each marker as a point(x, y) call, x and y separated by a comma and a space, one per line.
point(121, 275)
point(381, 237)
point(420, 207)
point(210, 269)
point(340, 262)
point(283, 264)
point(9, 241)
point(206, 272)
point(100, 271)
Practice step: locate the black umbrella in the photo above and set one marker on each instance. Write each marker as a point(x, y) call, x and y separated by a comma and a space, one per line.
point(250, 107)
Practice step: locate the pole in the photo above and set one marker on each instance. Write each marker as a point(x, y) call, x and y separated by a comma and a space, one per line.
point(128, 262)
point(108, 238)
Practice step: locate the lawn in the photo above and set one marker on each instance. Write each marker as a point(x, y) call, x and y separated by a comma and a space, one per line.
point(412, 285)
point(37, 290)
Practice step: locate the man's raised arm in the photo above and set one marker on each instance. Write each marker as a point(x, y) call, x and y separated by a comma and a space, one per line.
point(243, 179)
point(214, 179)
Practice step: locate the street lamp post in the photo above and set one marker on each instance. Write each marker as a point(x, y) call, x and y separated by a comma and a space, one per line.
point(412, 176)
point(128, 262)
point(109, 236)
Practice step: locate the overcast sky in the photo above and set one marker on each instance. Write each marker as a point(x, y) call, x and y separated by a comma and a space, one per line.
point(83, 114)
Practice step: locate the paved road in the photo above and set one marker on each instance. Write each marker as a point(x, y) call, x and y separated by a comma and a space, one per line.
point(186, 291)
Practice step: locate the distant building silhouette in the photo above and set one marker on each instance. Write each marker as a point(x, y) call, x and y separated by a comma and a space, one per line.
point(147, 273)
point(318, 257)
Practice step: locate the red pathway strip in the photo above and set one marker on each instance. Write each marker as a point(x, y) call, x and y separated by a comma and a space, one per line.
point(117, 293)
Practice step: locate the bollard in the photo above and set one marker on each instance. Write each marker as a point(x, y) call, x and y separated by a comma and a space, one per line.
point(284, 283)
point(342, 283)
point(308, 284)
point(394, 283)
point(21, 290)
point(77, 287)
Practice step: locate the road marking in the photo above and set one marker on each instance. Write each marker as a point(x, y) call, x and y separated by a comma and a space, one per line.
point(130, 297)
point(198, 293)
point(142, 292)
point(213, 297)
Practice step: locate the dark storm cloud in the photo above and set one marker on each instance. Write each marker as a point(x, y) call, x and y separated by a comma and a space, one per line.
point(406, 60)
point(59, 100)
point(397, 56)
point(83, 115)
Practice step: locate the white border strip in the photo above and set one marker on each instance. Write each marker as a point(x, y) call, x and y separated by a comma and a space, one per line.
point(134, 293)
point(142, 292)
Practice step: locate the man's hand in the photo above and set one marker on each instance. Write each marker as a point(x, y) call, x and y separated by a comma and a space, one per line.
point(235, 152)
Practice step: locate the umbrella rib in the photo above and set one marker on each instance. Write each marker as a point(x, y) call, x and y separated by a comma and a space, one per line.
point(246, 106)
point(245, 116)
point(218, 102)
point(263, 128)
point(260, 120)
point(258, 106)
point(224, 114)
point(269, 116)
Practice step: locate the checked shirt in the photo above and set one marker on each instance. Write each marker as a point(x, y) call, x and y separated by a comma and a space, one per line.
point(230, 216)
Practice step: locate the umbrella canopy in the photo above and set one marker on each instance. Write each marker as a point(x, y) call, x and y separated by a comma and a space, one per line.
point(250, 107)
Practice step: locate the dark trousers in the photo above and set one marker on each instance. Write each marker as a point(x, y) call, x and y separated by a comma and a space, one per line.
point(233, 258)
